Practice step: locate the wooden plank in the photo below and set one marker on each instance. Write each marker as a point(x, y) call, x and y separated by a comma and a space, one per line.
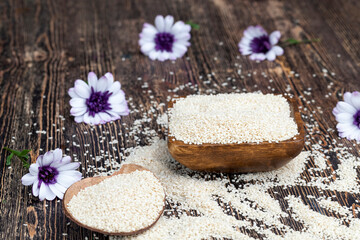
point(46, 44)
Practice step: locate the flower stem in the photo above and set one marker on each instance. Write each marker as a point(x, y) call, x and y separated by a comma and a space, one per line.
point(23, 156)
point(292, 41)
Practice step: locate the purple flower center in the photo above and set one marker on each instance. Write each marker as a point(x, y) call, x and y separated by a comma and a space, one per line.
point(47, 175)
point(357, 119)
point(260, 44)
point(164, 41)
point(98, 102)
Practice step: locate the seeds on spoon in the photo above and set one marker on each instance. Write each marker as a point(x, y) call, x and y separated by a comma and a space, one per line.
point(122, 203)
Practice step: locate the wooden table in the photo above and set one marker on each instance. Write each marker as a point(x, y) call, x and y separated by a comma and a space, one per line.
point(46, 45)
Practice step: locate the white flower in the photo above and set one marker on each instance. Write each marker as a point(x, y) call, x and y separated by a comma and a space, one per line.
point(51, 175)
point(98, 101)
point(165, 40)
point(347, 113)
point(259, 45)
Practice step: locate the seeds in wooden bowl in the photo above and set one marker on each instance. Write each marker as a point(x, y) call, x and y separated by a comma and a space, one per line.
point(122, 203)
point(232, 118)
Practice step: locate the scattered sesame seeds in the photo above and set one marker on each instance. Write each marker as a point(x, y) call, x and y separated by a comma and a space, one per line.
point(216, 200)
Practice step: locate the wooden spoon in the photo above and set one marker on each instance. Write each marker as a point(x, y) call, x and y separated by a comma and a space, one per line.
point(86, 182)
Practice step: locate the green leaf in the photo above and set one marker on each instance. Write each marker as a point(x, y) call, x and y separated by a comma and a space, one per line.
point(25, 152)
point(17, 153)
point(23, 156)
point(193, 25)
point(8, 159)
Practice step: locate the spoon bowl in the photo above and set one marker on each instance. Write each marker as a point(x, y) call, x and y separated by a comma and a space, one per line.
point(87, 182)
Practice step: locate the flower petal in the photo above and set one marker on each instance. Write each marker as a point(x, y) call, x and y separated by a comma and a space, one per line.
point(39, 160)
point(102, 84)
point(169, 21)
point(78, 111)
point(355, 99)
point(68, 166)
point(56, 191)
point(346, 127)
point(72, 173)
point(96, 120)
point(178, 27)
point(148, 32)
point(48, 158)
point(28, 179)
point(119, 108)
point(344, 118)
point(64, 160)
point(35, 188)
point(60, 187)
point(72, 93)
point(347, 97)
point(87, 118)
point(257, 57)
point(184, 36)
point(163, 56)
point(160, 23)
point(278, 50)
point(345, 107)
point(117, 98)
point(34, 169)
point(147, 47)
point(110, 77)
point(274, 37)
point(154, 54)
point(65, 180)
point(92, 80)
point(115, 87)
point(105, 117)
point(45, 192)
point(254, 31)
point(270, 55)
point(78, 102)
point(79, 119)
point(82, 89)
point(57, 154)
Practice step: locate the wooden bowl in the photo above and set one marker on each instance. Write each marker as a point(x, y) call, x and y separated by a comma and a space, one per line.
point(87, 182)
point(239, 158)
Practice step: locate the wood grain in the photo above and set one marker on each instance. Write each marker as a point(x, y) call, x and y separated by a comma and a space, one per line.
point(239, 158)
point(45, 45)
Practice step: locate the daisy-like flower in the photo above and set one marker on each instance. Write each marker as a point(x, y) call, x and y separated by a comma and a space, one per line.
point(259, 45)
point(347, 114)
point(98, 101)
point(51, 175)
point(165, 40)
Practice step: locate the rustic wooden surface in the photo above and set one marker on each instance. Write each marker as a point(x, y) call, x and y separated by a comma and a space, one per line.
point(45, 45)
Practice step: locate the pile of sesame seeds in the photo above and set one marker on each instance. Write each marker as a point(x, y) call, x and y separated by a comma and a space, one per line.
point(122, 203)
point(232, 118)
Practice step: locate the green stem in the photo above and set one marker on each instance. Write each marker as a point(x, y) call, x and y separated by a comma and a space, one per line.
point(292, 41)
